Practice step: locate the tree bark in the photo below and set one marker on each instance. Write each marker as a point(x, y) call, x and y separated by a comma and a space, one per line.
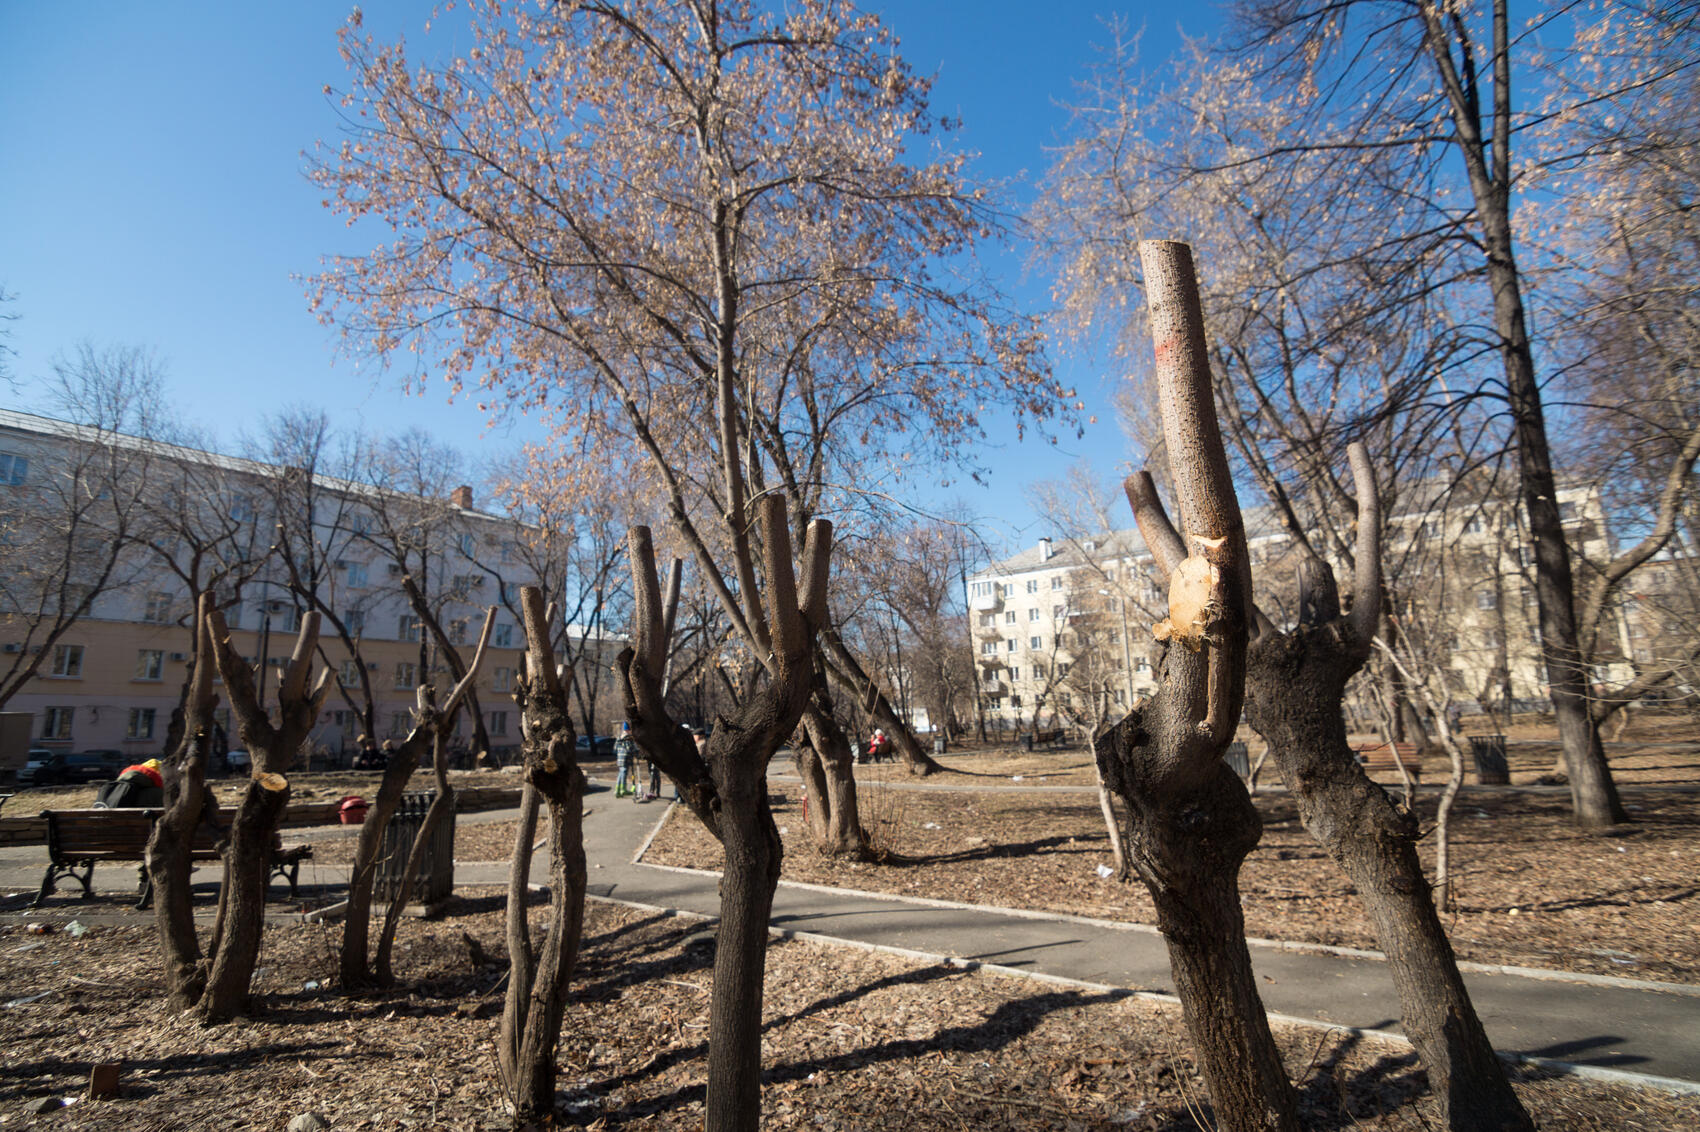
point(1295, 682)
point(521, 959)
point(835, 802)
point(537, 997)
point(173, 836)
point(247, 866)
point(1189, 820)
point(441, 806)
point(355, 969)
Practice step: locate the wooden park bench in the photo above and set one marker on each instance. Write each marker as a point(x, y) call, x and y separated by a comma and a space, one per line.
point(1053, 738)
point(1378, 758)
point(79, 839)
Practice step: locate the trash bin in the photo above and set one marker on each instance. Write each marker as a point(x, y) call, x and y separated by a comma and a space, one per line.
point(1238, 759)
point(352, 810)
point(1489, 754)
point(436, 876)
point(1027, 740)
point(939, 743)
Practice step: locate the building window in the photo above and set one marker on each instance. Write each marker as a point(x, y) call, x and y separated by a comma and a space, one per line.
point(407, 628)
point(503, 680)
point(1487, 599)
point(507, 551)
point(354, 620)
point(242, 509)
point(468, 545)
point(399, 721)
point(1142, 664)
point(67, 660)
point(1056, 581)
point(356, 574)
point(141, 723)
point(1032, 585)
point(498, 723)
point(1490, 638)
point(348, 675)
point(404, 670)
point(1474, 525)
point(158, 609)
point(233, 616)
point(1035, 643)
point(1011, 643)
point(1056, 611)
point(14, 469)
point(56, 723)
point(1009, 616)
point(1567, 510)
point(1015, 701)
point(1015, 673)
point(360, 523)
point(988, 620)
point(1033, 614)
point(149, 664)
point(457, 631)
point(988, 648)
point(502, 636)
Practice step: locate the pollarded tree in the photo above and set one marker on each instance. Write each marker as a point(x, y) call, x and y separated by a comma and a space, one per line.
point(691, 234)
point(1189, 821)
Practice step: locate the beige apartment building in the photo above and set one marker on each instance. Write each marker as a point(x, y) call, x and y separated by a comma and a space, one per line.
point(112, 679)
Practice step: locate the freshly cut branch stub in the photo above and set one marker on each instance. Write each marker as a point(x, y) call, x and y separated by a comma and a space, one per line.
point(272, 782)
point(1192, 602)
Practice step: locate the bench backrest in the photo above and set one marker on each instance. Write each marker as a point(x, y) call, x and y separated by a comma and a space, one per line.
point(118, 833)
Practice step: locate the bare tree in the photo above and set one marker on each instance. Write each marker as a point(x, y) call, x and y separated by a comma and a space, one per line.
point(727, 786)
point(759, 309)
point(1296, 681)
point(187, 805)
point(1190, 822)
point(253, 832)
point(537, 983)
point(75, 509)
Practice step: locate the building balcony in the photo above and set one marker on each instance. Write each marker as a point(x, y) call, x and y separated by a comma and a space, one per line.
point(994, 688)
point(986, 603)
point(988, 633)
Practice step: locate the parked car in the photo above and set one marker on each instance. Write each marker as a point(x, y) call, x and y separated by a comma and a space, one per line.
point(238, 760)
point(58, 768)
point(595, 747)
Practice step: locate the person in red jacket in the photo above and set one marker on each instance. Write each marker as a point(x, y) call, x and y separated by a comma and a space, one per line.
point(140, 786)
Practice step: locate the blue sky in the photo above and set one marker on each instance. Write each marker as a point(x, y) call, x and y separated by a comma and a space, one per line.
point(154, 196)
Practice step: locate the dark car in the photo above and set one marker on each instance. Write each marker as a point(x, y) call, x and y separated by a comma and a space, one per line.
point(595, 747)
point(59, 769)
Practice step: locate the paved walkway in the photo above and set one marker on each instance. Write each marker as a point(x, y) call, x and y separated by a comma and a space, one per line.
point(1612, 1024)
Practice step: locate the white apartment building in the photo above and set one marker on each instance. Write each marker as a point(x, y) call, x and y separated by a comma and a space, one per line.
point(1061, 632)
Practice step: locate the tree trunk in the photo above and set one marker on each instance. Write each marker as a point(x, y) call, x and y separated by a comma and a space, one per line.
point(247, 865)
point(168, 854)
point(441, 806)
point(536, 1000)
point(843, 667)
point(835, 802)
point(520, 955)
point(1593, 794)
point(753, 854)
point(356, 971)
point(1187, 848)
point(1295, 683)
point(534, 1057)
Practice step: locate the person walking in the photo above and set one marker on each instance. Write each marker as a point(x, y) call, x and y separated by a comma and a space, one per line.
point(625, 776)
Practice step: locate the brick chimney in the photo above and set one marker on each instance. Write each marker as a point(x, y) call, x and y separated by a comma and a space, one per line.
point(462, 497)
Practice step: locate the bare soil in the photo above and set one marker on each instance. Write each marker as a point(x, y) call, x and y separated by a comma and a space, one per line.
point(855, 1040)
